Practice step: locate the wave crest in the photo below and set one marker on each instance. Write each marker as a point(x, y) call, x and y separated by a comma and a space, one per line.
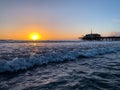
point(37, 59)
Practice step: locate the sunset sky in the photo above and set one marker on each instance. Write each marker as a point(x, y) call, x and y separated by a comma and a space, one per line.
point(58, 19)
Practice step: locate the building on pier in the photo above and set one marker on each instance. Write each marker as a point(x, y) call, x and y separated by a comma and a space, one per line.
point(98, 37)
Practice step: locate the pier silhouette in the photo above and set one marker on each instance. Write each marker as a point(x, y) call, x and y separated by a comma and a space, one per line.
point(98, 37)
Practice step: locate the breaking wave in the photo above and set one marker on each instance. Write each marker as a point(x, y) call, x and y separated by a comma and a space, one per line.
point(52, 56)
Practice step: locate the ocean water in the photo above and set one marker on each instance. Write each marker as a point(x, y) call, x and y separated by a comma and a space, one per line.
point(60, 66)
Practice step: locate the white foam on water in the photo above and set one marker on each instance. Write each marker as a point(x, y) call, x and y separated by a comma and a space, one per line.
point(55, 56)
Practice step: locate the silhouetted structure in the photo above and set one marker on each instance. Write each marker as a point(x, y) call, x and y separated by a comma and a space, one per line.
point(98, 37)
point(111, 38)
point(92, 37)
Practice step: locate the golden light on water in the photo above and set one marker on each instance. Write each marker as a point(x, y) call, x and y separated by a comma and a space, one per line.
point(35, 36)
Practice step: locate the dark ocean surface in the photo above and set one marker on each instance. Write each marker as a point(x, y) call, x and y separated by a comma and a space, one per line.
point(60, 66)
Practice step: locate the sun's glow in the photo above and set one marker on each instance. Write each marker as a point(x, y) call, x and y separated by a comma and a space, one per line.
point(35, 36)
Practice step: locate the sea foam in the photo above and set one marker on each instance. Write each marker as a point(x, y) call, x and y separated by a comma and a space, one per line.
point(56, 55)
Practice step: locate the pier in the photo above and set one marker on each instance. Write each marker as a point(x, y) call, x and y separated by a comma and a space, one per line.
point(98, 37)
point(111, 38)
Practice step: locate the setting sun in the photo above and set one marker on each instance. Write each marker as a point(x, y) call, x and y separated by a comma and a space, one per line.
point(35, 36)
